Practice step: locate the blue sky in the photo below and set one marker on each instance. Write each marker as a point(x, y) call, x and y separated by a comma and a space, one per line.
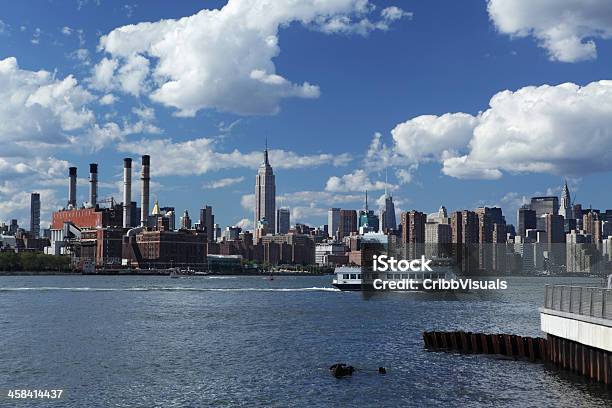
point(321, 83)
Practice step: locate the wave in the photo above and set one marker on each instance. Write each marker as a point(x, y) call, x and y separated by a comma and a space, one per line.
point(166, 289)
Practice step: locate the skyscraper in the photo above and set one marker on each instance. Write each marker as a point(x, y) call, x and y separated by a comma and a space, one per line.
point(368, 221)
point(566, 204)
point(282, 220)
point(35, 214)
point(526, 219)
point(388, 214)
point(555, 238)
point(207, 222)
point(347, 223)
point(545, 205)
point(265, 193)
point(185, 221)
point(333, 221)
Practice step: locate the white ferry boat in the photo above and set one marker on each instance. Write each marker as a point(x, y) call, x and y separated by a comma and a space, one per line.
point(351, 278)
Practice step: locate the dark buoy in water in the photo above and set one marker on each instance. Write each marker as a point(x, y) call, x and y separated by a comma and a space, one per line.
point(382, 370)
point(339, 370)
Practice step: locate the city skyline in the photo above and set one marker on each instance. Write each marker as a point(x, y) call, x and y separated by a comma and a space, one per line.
point(332, 133)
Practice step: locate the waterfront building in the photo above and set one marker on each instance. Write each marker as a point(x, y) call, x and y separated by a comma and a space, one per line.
point(265, 193)
point(166, 249)
point(438, 238)
point(582, 254)
point(35, 215)
point(465, 236)
point(283, 220)
point(329, 253)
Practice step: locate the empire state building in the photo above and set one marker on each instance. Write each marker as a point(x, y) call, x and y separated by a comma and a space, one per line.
point(265, 194)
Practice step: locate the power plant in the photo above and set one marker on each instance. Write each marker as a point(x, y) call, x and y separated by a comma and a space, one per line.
point(93, 185)
point(127, 192)
point(103, 236)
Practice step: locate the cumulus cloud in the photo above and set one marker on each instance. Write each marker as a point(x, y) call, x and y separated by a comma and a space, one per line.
point(224, 182)
point(563, 130)
point(222, 59)
point(244, 223)
point(39, 107)
point(108, 99)
point(359, 180)
point(565, 28)
point(428, 137)
point(199, 156)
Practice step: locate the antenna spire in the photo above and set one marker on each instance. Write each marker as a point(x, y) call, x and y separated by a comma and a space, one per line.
point(266, 152)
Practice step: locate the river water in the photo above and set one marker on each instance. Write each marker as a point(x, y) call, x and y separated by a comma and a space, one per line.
point(248, 341)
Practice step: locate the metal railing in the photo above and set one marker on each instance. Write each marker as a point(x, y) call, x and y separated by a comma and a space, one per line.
point(580, 300)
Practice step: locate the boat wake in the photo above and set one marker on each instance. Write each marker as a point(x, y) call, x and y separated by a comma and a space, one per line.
point(166, 289)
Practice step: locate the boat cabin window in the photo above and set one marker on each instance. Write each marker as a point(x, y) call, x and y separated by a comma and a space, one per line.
point(358, 276)
point(353, 276)
point(345, 276)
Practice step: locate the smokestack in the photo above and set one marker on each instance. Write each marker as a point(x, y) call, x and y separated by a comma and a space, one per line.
point(72, 174)
point(144, 192)
point(93, 184)
point(127, 192)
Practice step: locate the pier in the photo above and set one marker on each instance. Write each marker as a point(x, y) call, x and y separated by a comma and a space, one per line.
point(578, 324)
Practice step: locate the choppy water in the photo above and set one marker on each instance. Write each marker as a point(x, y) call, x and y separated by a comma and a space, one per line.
point(247, 341)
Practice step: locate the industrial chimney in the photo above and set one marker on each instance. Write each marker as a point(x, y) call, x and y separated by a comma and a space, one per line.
point(72, 174)
point(144, 192)
point(93, 184)
point(127, 192)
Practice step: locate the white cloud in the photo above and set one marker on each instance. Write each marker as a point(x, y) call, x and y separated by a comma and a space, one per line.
point(67, 30)
point(428, 137)
point(247, 201)
point(81, 55)
point(245, 224)
point(358, 180)
point(108, 99)
point(3, 27)
point(199, 156)
point(563, 130)
point(37, 107)
point(565, 28)
point(222, 59)
point(224, 182)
